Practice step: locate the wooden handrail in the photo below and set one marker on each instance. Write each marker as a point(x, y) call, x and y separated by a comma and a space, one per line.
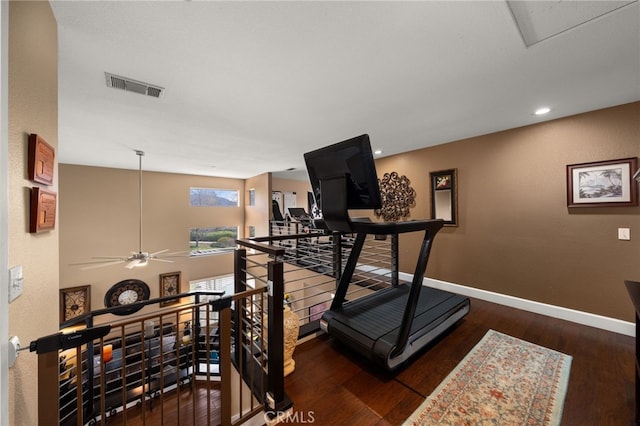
point(90, 315)
point(267, 249)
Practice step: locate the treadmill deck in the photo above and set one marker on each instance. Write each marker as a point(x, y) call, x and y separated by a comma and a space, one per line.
point(370, 324)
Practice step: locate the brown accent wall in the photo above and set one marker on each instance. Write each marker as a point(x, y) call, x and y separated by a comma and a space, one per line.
point(516, 235)
point(99, 217)
point(33, 108)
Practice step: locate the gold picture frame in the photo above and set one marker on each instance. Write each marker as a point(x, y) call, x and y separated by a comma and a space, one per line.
point(170, 286)
point(74, 302)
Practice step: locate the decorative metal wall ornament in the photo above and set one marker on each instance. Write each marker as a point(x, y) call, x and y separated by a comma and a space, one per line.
point(397, 197)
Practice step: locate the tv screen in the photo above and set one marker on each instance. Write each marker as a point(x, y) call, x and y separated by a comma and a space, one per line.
point(352, 159)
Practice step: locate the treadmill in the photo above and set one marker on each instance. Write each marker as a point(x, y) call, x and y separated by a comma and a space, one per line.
point(389, 325)
point(299, 214)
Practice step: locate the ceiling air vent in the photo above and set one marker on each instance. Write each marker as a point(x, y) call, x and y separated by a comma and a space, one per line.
point(130, 85)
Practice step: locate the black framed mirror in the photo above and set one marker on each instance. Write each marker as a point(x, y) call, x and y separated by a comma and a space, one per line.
point(444, 196)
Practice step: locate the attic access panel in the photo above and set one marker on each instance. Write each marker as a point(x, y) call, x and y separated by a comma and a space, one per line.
point(540, 20)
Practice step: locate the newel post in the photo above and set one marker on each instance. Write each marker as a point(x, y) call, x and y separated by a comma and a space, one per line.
point(276, 399)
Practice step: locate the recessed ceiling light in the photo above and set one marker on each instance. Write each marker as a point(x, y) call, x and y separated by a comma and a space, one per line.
point(377, 152)
point(542, 111)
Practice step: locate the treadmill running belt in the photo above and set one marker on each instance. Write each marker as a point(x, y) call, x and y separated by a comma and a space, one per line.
point(380, 313)
point(371, 324)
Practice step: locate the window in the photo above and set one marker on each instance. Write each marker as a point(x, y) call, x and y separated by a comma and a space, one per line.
point(224, 282)
point(252, 231)
point(208, 197)
point(252, 197)
point(212, 240)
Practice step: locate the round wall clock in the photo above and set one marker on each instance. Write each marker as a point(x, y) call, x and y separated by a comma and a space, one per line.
point(125, 293)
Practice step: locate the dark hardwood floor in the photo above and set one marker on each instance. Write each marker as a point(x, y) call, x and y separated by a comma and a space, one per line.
point(331, 385)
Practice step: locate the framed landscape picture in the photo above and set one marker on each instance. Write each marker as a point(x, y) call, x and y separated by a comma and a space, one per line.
point(602, 183)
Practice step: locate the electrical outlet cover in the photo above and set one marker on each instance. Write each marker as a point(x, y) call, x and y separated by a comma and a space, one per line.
point(624, 234)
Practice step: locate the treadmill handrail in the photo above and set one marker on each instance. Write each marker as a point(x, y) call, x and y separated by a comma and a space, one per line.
point(416, 286)
point(430, 228)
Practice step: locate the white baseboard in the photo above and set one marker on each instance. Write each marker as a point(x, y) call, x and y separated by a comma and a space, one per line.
point(584, 318)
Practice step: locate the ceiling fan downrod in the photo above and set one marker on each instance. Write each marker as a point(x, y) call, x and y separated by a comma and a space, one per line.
point(140, 154)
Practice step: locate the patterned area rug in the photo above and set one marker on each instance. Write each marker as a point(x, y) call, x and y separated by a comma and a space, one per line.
point(502, 381)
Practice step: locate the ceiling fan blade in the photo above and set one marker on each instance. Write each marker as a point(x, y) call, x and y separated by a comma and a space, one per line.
point(158, 252)
point(96, 265)
point(109, 257)
point(98, 262)
point(158, 259)
point(183, 253)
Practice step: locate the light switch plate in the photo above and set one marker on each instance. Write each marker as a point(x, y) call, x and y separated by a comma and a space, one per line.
point(15, 282)
point(624, 234)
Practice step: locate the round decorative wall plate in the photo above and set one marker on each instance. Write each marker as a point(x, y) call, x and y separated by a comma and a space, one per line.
point(127, 292)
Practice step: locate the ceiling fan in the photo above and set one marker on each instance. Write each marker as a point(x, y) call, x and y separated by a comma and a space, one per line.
point(135, 259)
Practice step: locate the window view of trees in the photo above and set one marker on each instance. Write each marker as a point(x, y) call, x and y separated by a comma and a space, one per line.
point(208, 197)
point(212, 240)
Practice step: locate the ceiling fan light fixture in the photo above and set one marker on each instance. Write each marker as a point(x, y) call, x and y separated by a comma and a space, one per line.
point(137, 263)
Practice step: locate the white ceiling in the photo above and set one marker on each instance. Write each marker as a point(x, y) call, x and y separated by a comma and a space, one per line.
point(251, 86)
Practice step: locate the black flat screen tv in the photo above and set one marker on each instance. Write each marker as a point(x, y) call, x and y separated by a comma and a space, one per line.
point(351, 159)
